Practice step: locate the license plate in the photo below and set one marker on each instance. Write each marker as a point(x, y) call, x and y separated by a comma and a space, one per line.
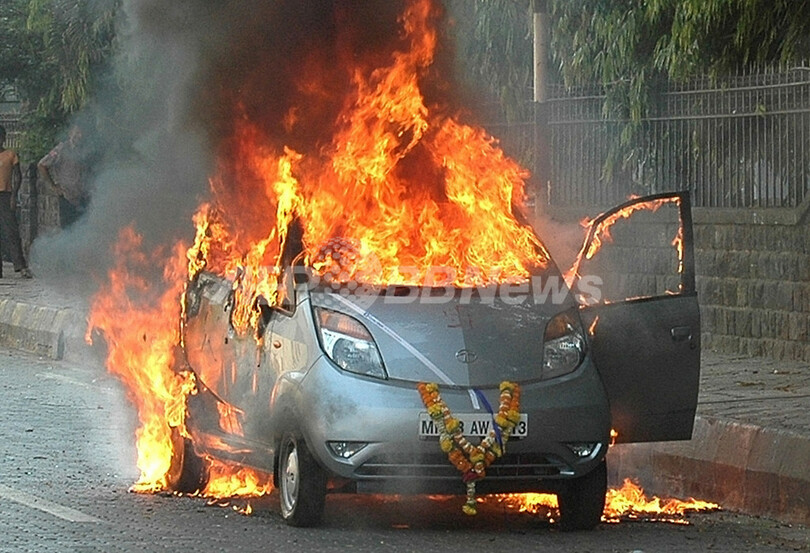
point(473, 425)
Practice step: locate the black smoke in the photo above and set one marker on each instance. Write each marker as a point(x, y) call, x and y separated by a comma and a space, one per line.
point(186, 73)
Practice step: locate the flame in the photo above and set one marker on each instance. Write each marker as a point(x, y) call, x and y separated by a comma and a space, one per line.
point(402, 187)
point(629, 502)
point(229, 419)
point(224, 480)
point(139, 323)
point(600, 233)
point(677, 243)
point(237, 484)
point(592, 330)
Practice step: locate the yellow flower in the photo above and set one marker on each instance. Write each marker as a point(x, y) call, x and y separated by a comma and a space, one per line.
point(446, 444)
point(451, 424)
point(469, 510)
point(513, 416)
point(434, 410)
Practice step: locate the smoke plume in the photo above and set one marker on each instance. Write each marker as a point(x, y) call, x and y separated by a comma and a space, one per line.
point(188, 71)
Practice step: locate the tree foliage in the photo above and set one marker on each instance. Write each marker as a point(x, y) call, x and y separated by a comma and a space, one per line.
point(494, 47)
point(628, 48)
point(18, 47)
point(626, 44)
point(630, 44)
point(78, 38)
point(55, 52)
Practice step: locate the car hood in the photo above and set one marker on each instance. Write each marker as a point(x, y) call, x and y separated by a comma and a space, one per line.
point(460, 339)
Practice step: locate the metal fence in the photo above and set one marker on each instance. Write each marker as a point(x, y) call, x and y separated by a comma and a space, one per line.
point(14, 130)
point(743, 142)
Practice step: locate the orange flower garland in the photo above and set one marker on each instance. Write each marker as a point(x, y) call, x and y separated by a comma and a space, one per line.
point(472, 460)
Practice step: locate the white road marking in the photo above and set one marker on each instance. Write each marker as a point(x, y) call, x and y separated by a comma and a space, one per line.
point(60, 511)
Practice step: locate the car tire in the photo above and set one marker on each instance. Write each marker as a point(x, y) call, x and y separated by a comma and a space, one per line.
point(582, 500)
point(189, 471)
point(301, 483)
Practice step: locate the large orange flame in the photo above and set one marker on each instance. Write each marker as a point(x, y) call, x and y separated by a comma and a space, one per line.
point(140, 324)
point(408, 186)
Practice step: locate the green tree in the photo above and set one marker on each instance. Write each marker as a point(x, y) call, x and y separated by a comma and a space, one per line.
point(629, 48)
point(78, 38)
point(17, 45)
point(625, 43)
point(493, 40)
point(56, 52)
point(626, 49)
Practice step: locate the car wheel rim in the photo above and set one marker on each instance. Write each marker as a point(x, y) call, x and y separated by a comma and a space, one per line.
point(289, 480)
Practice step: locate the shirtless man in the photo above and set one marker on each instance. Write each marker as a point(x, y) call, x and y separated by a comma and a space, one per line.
point(10, 180)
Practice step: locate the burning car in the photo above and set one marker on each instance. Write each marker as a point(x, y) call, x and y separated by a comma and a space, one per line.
point(364, 299)
point(323, 390)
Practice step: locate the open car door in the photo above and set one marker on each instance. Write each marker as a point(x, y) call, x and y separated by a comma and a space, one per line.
point(644, 320)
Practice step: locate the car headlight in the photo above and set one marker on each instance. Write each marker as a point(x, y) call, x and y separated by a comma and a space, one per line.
point(563, 345)
point(349, 344)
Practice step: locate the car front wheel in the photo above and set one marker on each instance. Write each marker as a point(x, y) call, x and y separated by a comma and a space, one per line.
point(188, 472)
point(302, 483)
point(582, 500)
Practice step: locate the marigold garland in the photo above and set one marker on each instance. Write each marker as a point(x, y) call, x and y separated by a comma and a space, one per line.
point(472, 460)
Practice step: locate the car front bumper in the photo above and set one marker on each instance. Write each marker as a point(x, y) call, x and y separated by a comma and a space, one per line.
point(336, 406)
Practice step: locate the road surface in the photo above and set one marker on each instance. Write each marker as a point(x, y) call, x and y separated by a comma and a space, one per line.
point(67, 461)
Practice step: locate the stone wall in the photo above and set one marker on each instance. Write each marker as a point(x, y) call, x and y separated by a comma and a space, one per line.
point(754, 286)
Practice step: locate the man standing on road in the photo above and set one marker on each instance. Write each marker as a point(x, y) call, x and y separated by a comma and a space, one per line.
point(10, 180)
point(63, 169)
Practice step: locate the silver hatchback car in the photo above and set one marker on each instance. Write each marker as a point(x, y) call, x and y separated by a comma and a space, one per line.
point(325, 393)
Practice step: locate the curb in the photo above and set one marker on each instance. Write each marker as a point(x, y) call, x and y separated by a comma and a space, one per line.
point(35, 329)
point(742, 467)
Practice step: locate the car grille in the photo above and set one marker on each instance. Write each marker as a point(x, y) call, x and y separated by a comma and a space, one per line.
point(437, 466)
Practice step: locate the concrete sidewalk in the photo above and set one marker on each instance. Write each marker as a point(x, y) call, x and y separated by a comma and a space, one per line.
point(750, 450)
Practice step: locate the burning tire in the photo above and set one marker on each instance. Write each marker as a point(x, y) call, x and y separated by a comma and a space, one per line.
point(189, 472)
point(301, 483)
point(582, 500)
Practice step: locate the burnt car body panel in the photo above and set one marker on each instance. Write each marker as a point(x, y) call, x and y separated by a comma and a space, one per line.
point(649, 370)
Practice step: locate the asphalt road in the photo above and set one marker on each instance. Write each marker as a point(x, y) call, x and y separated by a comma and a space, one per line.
point(67, 460)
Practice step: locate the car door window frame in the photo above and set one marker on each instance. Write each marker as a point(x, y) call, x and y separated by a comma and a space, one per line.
point(683, 202)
